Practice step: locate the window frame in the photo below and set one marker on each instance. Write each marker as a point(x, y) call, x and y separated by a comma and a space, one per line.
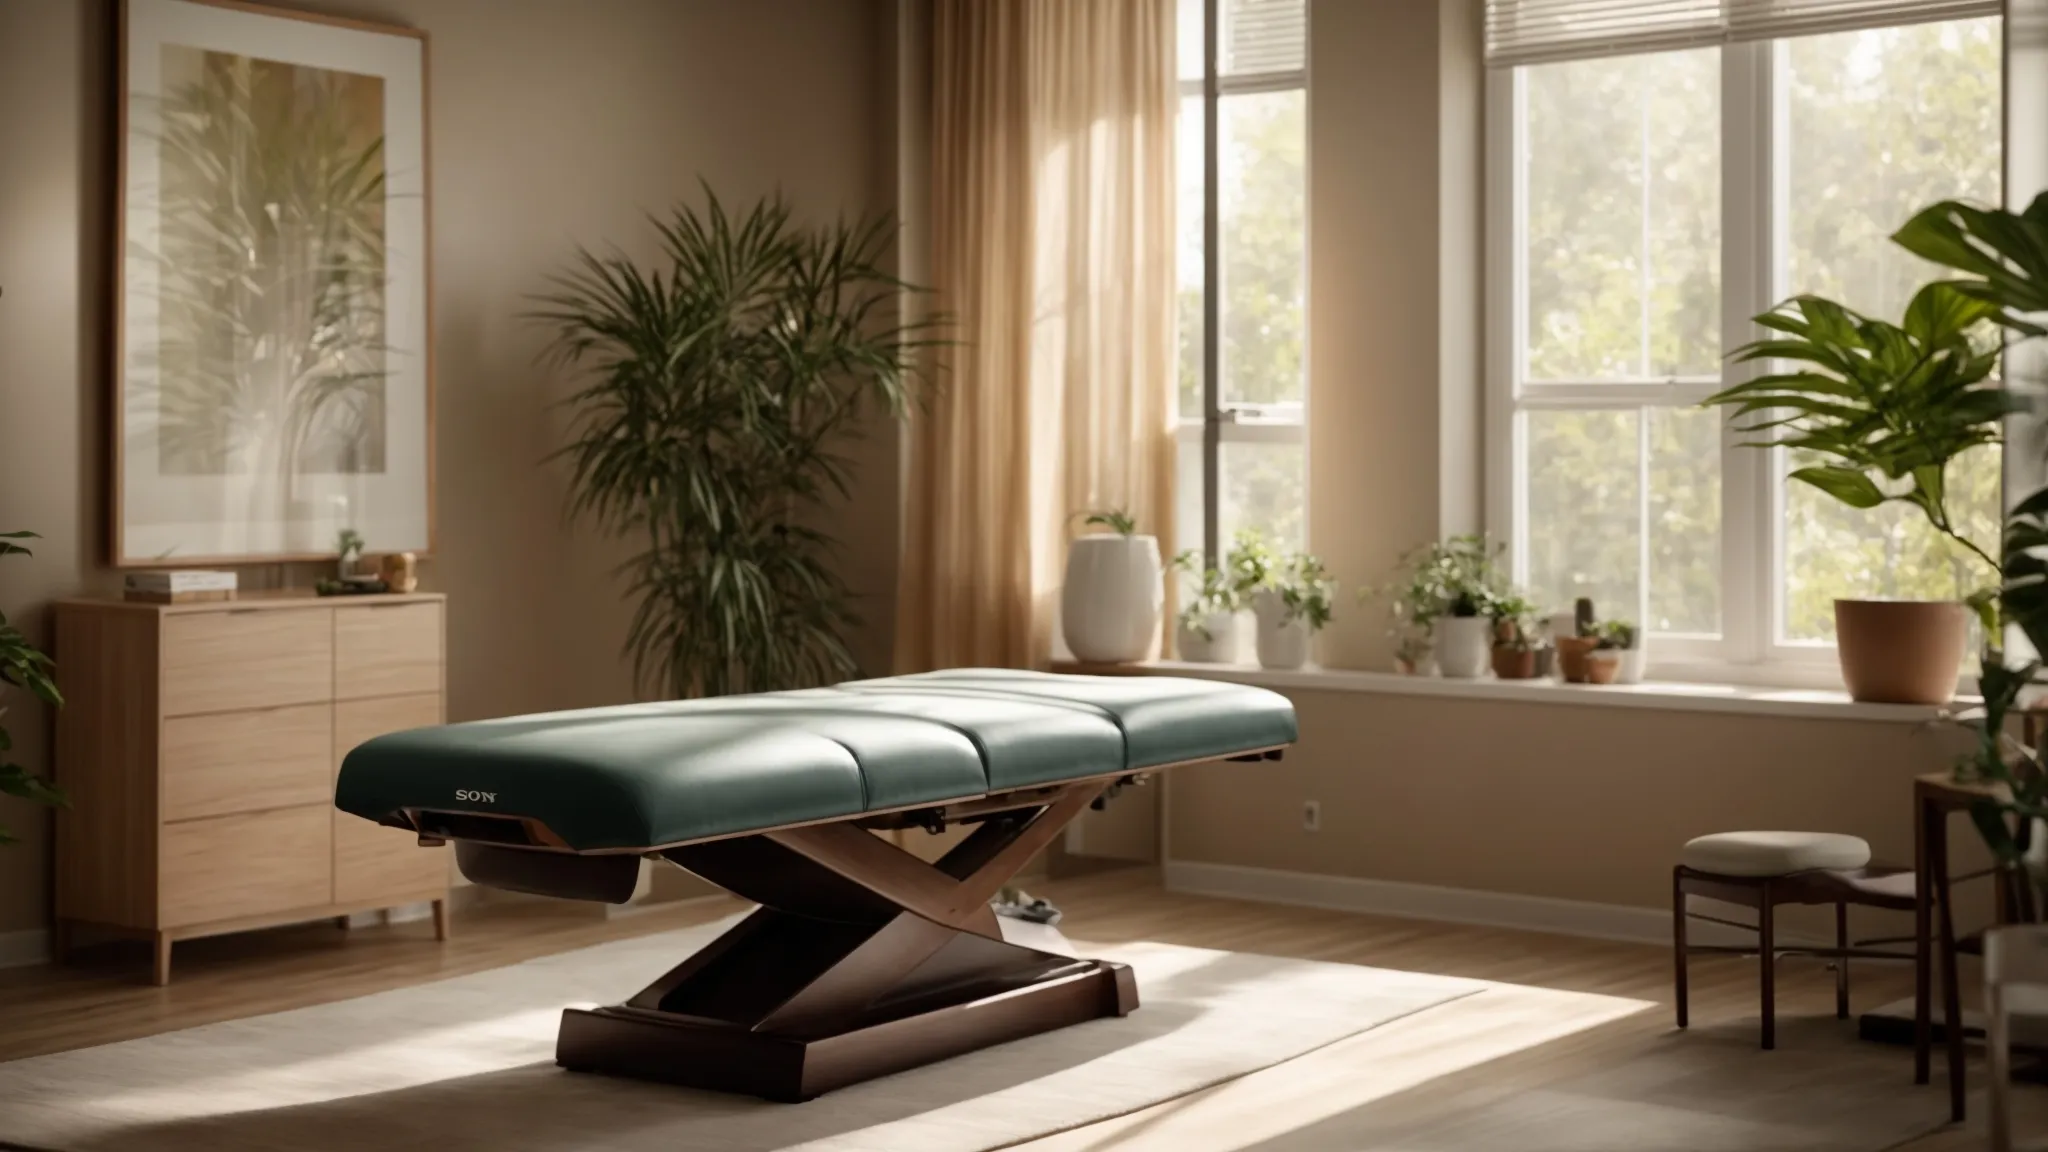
point(1219, 423)
point(1755, 199)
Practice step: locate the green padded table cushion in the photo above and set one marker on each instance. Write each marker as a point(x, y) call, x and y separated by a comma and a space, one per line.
point(644, 775)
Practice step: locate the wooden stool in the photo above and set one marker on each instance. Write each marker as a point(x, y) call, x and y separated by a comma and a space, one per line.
point(1762, 870)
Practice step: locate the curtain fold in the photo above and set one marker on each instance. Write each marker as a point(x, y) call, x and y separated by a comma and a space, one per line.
point(1052, 252)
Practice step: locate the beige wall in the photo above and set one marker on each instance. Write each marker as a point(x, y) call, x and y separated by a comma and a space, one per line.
point(553, 123)
point(1562, 801)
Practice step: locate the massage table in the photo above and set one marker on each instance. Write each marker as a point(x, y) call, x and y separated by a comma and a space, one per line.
point(862, 959)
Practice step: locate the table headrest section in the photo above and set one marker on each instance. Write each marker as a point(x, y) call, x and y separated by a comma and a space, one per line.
point(645, 775)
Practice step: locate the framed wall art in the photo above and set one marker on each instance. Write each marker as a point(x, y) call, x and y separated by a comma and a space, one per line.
point(273, 368)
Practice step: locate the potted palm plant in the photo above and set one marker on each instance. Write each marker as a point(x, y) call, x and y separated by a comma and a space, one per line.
point(1885, 408)
point(717, 388)
point(1207, 626)
point(24, 666)
point(1109, 604)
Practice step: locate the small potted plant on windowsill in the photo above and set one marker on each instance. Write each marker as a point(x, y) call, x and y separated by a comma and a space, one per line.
point(1207, 627)
point(1109, 605)
point(1514, 638)
point(1624, 641)
point(1446, 588)
point(1294, 605)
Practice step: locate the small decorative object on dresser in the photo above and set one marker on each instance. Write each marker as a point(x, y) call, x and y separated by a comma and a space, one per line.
point(186, 587)
point(199, 748)
point(399, 571)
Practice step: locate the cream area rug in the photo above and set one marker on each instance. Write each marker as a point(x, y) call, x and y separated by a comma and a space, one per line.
point(468, 1063)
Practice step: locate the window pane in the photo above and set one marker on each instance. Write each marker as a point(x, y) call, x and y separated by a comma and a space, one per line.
point(1188, 33)
point(1685, 521)
point(1262, 195)
point(1883, 122)
point(1188, 253)
point(1585, 511)
point(1187, 496)
point(1261, 487)
point(1623, 199)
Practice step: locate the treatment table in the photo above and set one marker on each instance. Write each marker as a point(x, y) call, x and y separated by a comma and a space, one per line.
point(862, 959)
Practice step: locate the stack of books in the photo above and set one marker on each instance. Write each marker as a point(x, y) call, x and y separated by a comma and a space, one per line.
point(185, 587)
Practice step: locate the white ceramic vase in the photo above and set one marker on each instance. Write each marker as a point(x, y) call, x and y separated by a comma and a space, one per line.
point(1634, 661)
point(1282, 643)
point(1219, 646)
point(1464, 646)
point(1109, 606)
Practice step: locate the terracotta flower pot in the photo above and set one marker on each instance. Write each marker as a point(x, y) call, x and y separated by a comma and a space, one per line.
point(1572, 657)
point(1603, 666)
point(1901, 651)
point(1514, 664)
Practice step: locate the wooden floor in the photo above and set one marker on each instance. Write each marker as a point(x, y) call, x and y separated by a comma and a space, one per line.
point(105, 996)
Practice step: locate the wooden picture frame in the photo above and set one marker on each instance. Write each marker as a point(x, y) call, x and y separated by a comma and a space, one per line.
point(273, 378)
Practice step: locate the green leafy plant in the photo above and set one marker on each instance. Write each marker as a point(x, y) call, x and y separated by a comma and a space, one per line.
point(24, 666)
point(1612, 635)
point(1460, 576)
point(1306, 591)
point(1887, 406)
point(1213, 594)
point(721, 382)
point(1252, 564)
point(1115, 519)
point(1514, 622)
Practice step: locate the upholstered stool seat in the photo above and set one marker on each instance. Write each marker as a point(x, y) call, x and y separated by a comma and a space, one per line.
point(1763, 870)
point(1773, 853)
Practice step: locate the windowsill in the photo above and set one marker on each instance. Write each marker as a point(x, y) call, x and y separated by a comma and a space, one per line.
point(1664, 695)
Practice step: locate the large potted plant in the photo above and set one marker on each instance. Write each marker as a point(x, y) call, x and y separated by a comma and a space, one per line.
point(1109, 604)
point(720, 381)
point(1885, 408)
point(24, 666)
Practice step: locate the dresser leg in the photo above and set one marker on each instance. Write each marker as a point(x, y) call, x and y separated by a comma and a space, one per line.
point(161, 972)
point(441, 919)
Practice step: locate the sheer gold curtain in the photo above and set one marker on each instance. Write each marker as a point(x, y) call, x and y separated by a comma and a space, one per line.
point(1052, 250)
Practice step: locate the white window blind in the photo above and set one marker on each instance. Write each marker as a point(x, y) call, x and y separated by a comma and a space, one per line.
point(1540, 31)
point(1263, 36)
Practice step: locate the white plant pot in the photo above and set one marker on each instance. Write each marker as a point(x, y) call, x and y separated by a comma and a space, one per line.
point(1633, 662)
point(1282, 643)
point(1109, 606)
point(1218, 647)
point(1464, 646)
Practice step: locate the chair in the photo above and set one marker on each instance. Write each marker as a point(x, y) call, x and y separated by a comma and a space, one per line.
point(1763, 870)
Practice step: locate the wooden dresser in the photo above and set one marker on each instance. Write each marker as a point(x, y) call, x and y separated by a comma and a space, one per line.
point(199, 745)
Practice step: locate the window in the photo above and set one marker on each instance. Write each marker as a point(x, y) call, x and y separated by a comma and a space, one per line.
point(1644, 207)
point(1243, 212)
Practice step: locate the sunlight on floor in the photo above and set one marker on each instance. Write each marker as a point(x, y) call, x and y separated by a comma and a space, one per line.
point(1499, 1021)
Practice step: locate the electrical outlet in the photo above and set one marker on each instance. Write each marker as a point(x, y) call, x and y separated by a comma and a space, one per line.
point(1312, 816)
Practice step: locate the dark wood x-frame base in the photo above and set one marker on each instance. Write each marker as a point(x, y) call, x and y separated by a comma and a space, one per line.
point(861, 961)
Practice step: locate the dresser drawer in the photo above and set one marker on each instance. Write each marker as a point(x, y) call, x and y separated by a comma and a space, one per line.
point(251, 864)
point(387, 649)
point(247, 761)
point(253, 658)
point(372, 862)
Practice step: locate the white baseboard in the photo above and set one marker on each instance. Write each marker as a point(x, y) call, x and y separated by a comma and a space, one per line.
point(24, 948)
point(1453, 905)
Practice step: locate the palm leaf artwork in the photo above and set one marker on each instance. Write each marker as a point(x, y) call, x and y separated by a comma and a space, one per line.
point(719, 384)
point(23, 666)
point(1886, 406)
point(269, 260)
